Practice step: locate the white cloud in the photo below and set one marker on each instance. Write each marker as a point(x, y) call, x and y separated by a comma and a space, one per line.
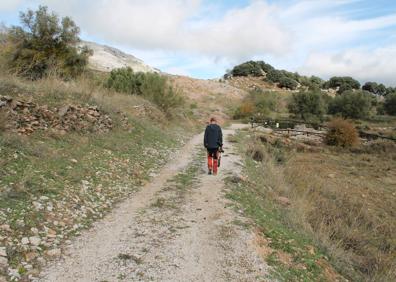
point(293, 33)
point(173, 25)
point(9, 5)
point(365, 65)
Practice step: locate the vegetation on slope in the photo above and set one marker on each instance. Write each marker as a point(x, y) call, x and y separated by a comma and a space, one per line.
point(43, 44)
point(341, 201)
point(55, 182)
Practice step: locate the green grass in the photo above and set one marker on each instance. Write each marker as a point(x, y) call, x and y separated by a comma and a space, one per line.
point(112, 165)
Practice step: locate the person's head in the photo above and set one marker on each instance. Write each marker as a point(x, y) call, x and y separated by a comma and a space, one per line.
point(213, 120)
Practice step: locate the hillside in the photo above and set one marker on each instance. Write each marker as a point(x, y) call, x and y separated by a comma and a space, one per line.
point(105, 58)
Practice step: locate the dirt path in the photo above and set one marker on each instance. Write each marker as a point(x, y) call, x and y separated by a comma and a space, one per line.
point(177, 228)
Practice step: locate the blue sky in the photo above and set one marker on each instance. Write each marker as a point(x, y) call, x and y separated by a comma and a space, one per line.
point(202, 38)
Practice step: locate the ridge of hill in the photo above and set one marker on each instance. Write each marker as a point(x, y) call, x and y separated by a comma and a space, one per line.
point(106, 58)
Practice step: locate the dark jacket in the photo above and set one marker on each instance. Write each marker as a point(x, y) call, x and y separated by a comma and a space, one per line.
point(213, 137)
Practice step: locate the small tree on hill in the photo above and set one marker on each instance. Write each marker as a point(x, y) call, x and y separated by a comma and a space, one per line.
point(307, 105)
point(248, 68)
point(44, 43)
point(375, 88)
point(287, 82)
point(152, 86)
point(390, 104)
point(352, 104)
point(343, 83)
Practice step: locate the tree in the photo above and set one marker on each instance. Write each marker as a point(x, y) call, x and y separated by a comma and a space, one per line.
point(351, 104)
point(248, 68)
point(45, 44)
point(343, 83)
point(390, 104)
point(307, 105)
point(287, 83)
point(274, 76)
point(375, 88)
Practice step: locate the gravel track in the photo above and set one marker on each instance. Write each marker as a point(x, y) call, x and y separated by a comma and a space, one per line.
point(163, 233)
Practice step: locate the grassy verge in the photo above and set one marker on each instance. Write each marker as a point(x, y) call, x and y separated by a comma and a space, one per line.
point(52, 186)
point(323, 206)
point(292, 254)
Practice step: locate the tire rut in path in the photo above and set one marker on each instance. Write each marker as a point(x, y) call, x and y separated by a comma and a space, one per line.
point(165, 234)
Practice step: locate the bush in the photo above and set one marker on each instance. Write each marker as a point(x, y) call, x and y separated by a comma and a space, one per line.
point(152, 86)
point(351, 104)
point(375, 88)
point(341, 133)
point(156, 88)
point(43, 45)
point(246, 109)
point(390, 104)
point(257, 103)
point(307, 105)
point(274, 76)
point(246, 69)
point(343, 83)
point(125, 80)
point(288, 83)
point(251, 68)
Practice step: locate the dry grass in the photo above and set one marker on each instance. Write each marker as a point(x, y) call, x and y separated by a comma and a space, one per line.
point(344, 199)
point(347, 202)
point(3, 120)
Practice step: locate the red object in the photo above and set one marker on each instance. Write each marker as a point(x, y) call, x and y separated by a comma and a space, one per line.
point(212, 162)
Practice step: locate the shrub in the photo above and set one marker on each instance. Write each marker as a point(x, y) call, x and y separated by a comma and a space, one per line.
point(343, 83)
point(257, 103)
point(44, 44)
point(274, 76)
point(156, 88)
point(375, 88)
point(246, 69)
point(351, 104)
point(307, 105)
point(246, 109)
point(256, 152)
point(125, 80)
point(152, 86)
point(390, 104)
point(288, 83)
point(253, 68)
point(341, 133)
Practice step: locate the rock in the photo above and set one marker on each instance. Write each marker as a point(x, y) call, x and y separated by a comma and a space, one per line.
point(331, 175)
point(30, 256)
point(3, 252)
point(37, 205)
point(34, 240)
point(3, 263)
point(25, 241)
point(53, 253)
point(284, 201)
point(74, 161)
point(6, 227)
point(34, 230)
point(41, 261)
point(62, 111)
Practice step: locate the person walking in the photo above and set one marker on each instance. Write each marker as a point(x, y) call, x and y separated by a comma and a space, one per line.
point(213, 142)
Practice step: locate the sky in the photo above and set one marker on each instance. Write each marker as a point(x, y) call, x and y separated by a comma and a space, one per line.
point(203, 38)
